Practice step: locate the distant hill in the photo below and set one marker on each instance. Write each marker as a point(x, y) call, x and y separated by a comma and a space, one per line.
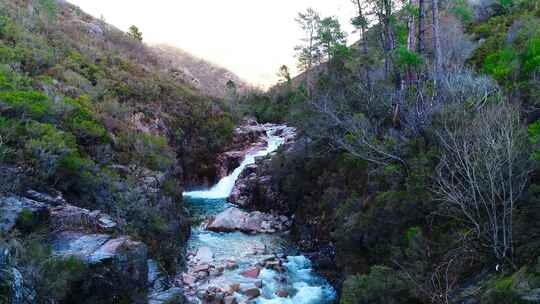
point(208, 77)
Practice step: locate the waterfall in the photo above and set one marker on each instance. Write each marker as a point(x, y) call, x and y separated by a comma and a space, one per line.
point(224, 187)
point(297, 284)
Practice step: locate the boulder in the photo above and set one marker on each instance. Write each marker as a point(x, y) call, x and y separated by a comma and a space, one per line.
point(204, 255)
point(188, 279)
point(21, 213)
point(234, 219)
point(227, 221)
point(199, 268)
point(251, 293)
point(252, 273)
point(119, 260)
point(230, 300)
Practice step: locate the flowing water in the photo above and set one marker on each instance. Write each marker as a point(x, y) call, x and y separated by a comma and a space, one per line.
point(302, 284)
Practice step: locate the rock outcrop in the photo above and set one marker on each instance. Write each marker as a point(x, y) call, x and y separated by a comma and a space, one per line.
point(255, 188)
point(246, 138)
point(22, 213)
point(68, 217)
point(115, 265)
point(110, 259)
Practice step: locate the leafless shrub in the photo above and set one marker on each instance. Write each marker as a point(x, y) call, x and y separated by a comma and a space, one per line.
point(482, 173)
point(362, 136)
point(466, 87)
point(456, 45)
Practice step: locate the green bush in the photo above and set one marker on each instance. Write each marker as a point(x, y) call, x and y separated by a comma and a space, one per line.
point(26, 218)
point(29, 103)
point(57, 276)
point(382, 285)
point(531, 56)
point(503, 292)
point(7, 133)
point(148, 150)
point(8, 29)
point(10, 81)
point(46, 147)
point(534, 139)
point(462, 9)
point(502, 64)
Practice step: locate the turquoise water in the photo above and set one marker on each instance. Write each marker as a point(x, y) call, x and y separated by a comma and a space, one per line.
point(302, 284)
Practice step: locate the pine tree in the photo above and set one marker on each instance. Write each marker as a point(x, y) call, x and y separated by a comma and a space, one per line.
point(135, 33)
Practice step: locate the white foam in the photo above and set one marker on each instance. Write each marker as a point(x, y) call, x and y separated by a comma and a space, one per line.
point(225, 186)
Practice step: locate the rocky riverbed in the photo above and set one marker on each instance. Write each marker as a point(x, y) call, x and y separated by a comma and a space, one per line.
point(238, 256)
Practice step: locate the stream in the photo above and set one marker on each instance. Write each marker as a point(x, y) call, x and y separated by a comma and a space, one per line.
point(297, 283)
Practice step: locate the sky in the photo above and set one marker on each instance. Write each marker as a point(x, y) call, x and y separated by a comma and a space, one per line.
point(252, 38)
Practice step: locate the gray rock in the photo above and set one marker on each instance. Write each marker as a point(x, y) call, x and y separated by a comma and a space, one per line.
point(532, 296)
point(55, 200)
point(251, 293)
point(227, 221)
point(156, 280)
point(199, 268)
point(69, 217)
point(230, 300)
point(204, 255)
point(16, 286)
point(19, 212)
point(78, 244)
point(169, 296)
point(234, 219)
point(111, 259)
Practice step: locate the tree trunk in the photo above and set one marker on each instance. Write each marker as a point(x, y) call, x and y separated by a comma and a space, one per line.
point(364, 48)
point(411, 40)
point(438, 64)
point(421, 26)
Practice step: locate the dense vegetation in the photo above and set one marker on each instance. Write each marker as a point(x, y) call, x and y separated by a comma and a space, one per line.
point(415, 174)
point(418, 158)
point(87, 110)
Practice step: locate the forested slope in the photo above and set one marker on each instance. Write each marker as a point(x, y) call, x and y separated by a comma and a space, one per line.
point(416, 172)
point(88, 113)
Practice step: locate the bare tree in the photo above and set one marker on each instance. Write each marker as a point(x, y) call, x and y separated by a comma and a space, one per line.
point(438, 63)
point(361, 136)
point(482, 173)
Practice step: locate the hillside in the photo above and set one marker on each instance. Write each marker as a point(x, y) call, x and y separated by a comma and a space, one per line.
point(415, 177)
point(406, 172)
point(92, 126)
point(209, 78)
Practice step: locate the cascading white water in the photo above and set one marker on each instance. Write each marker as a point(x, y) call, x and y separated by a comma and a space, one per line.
point(225, 186)
point(302, 284)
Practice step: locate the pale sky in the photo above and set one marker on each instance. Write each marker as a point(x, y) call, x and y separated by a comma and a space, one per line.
point(252, 38)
